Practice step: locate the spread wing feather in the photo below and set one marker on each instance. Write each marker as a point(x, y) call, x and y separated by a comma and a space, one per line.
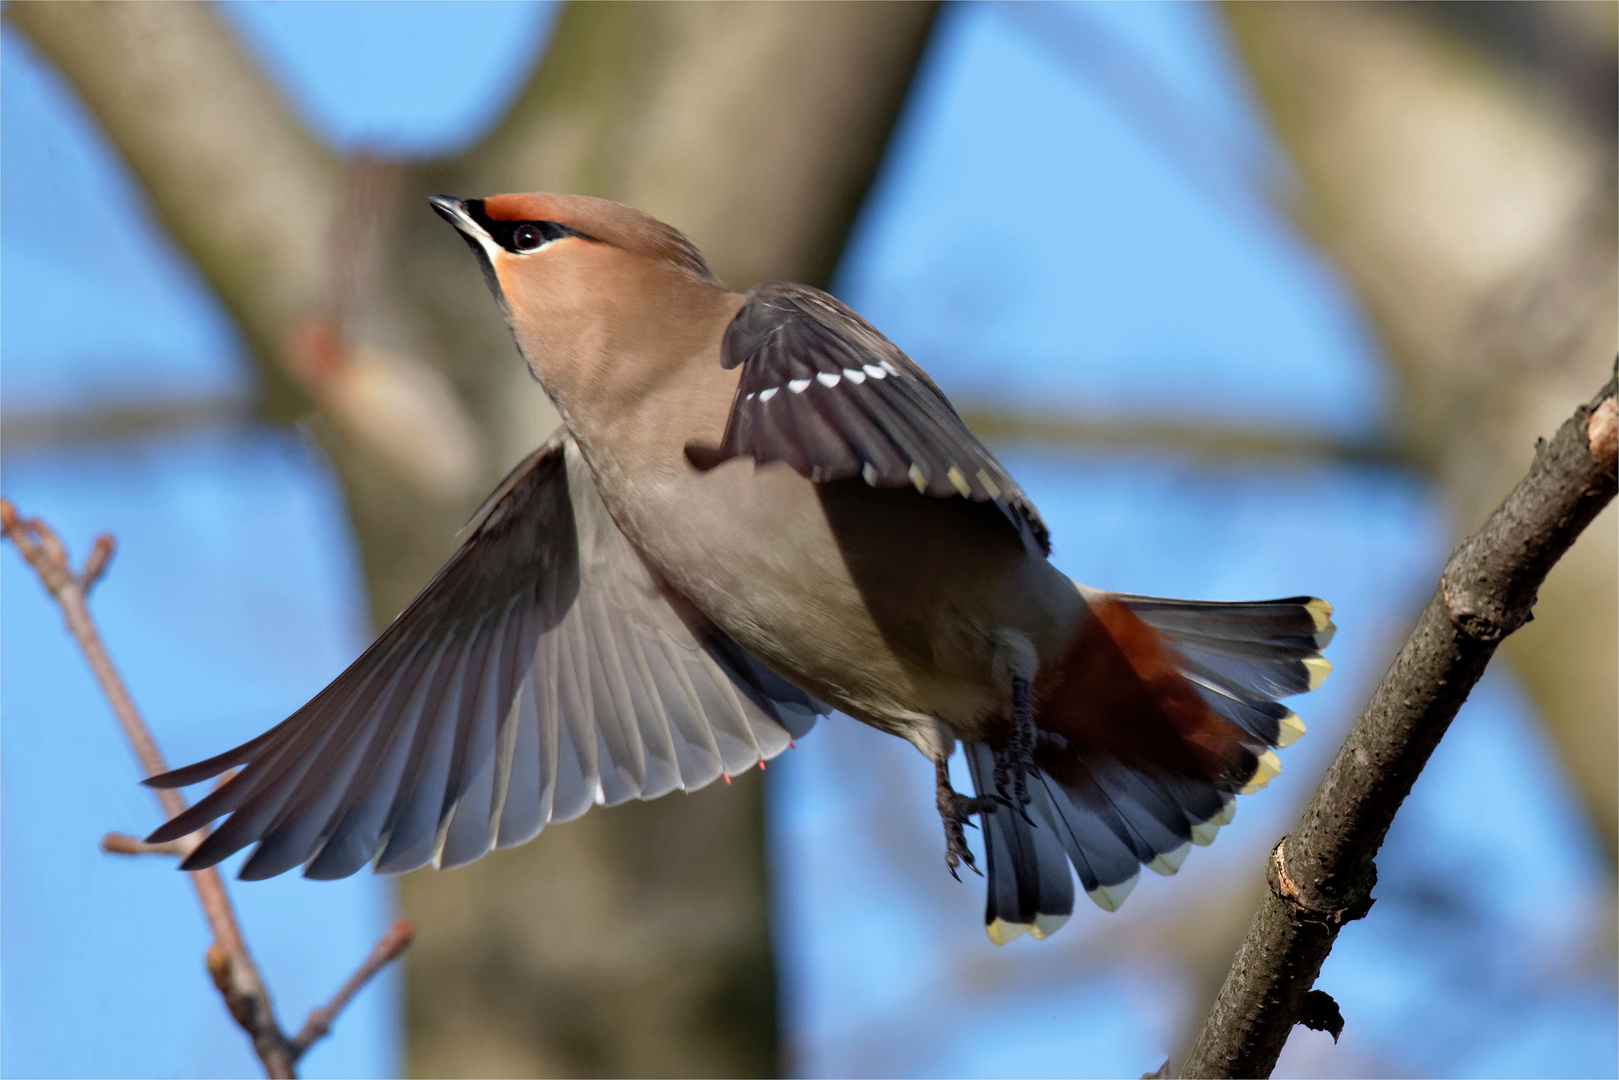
point(822, 391)
point(546, 668)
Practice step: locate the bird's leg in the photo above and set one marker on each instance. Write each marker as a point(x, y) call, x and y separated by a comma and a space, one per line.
point(1015, 760)
point(955, 809)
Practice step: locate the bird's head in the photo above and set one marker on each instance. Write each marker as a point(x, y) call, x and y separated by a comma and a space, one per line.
point(581, 280)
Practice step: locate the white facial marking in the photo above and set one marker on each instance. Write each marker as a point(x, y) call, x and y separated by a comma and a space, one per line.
point(798, 386)
point(828, 379)
point(766, 395)
point(490, 248)
point(536, 250)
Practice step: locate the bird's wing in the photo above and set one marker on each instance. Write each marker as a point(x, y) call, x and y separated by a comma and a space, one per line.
point(824, 392)
point(547, 667)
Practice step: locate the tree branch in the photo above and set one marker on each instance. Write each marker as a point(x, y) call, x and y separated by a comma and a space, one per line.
point(118, 843)
point(754, 128)
point(277, 223)
point(1321, 876)
point(1190, 439)
point(1409, 147)
point(229, 963)
point(230, 173)
point(389, 946)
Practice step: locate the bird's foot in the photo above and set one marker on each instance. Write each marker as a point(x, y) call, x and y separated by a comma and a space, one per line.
point(956, 810)
point(1015, 760)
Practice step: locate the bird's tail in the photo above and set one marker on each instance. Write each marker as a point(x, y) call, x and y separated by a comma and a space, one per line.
point(1156, 716)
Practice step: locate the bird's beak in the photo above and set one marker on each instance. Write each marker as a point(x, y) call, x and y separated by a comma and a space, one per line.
point(455, 212)
point(459, 214)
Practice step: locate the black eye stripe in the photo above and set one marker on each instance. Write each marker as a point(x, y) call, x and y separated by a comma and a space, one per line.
point(520, 237)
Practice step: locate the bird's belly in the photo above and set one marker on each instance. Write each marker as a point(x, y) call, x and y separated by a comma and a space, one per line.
point(892, 606)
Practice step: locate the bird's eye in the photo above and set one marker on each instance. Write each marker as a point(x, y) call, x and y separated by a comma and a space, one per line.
point(527, 237)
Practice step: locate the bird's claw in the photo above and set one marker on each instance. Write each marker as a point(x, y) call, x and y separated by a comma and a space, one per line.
point(956, 811)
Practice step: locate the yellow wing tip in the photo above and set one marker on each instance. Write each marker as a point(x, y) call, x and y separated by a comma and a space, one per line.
point(1170, 861)
point(1002, 932)
point(1320, 614)
point(1291, 728)
point(1269, 766)
point(1109, 897)
point(1319, 668)
point(1046, 925)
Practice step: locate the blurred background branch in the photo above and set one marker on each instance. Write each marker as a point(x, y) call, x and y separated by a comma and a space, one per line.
point(756, 129)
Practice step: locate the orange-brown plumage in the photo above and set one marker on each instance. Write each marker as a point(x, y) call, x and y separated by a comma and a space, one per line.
point(1117, 687)
point(609, 222)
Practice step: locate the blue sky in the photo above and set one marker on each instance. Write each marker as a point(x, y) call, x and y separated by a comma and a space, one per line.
point(1068, 223)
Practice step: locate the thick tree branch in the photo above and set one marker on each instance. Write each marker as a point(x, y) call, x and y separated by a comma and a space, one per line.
point(276, 222)
point(754, 128)
point(1321, 876)
point(232, 175)
point(1474, 216)
point(229, 964)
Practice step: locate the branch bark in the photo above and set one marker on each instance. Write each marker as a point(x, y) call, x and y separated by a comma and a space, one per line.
point(1321, 876)
point(229, 963)
point(1473, 212)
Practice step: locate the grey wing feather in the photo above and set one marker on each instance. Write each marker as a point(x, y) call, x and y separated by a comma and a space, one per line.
point(822, 391)
point(546, 668)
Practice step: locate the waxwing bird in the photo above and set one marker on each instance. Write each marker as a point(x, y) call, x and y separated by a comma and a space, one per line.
point(758, 510)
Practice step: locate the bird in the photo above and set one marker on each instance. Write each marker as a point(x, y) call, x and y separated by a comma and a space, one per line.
point(757, 511)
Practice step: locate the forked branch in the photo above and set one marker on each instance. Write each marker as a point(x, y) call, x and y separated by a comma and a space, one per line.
point(1321, 876)
point(228, 961)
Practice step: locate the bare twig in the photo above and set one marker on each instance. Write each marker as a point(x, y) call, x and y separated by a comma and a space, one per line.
point(1322, 875)
point(388, 946)
point(228, 961)
point(117, 843)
